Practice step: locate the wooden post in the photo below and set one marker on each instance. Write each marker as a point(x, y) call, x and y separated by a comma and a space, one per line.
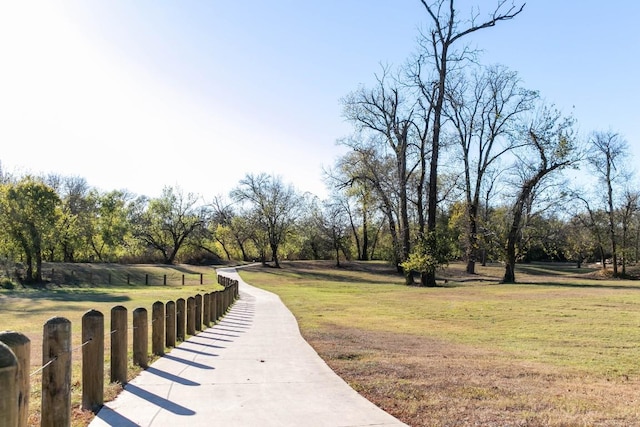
point(206, 309)
point(201, 278)
point(183, 280)
point(55, 410)
point(214, 307)
point(191, 316)
point(20, 345)
point(198, 312)
point(140, 337)
point(157, 328)
point(9, 386)
point(119, 338)
point(181, 318)
point(146, 279)
point(92, 360)
point(164, 280)
point(220, 305)
point(171, 324)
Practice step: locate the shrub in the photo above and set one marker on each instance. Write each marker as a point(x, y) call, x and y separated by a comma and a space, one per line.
point(7, 284)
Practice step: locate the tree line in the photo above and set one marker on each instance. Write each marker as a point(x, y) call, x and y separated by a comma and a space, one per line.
point(449, 159)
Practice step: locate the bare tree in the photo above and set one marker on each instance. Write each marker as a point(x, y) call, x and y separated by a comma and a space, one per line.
point(550, 147)
point(438, 48)
point(607, 153)
point(274, 206)
point(482, 110)
point(388, 113)
point(629, 208)
point(366, 165)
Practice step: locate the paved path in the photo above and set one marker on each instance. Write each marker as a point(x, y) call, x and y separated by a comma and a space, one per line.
point(251, 369)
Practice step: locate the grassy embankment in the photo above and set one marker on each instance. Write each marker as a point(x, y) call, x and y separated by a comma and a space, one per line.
point(26, 310)
point(560, 348)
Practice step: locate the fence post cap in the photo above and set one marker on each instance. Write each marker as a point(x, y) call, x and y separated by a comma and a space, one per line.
point(7, 358)
point(13, 338)
point(93, 313)
point(57, 320)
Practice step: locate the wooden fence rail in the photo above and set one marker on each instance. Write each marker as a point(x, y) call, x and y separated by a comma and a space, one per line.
point(168, 322)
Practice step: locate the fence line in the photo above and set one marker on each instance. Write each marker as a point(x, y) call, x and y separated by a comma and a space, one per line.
point(194, 312)
point(77, 277)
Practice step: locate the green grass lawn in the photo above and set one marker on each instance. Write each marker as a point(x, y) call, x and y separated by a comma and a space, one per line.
point(561, 347)
point(592, 325)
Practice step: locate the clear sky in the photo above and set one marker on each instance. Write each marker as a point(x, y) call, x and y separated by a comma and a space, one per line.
point(196, 94)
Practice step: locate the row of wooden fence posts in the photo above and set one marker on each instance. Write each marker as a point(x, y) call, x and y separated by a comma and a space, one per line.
point(146, 278)
point(170, 322)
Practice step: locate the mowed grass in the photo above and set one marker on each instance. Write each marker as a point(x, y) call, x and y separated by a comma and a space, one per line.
point(26, 310)
point(558, 348)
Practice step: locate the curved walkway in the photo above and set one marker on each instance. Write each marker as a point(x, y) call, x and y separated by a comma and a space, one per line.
point(251, 369)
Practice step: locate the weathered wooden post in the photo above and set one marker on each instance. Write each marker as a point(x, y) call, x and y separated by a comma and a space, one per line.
point(20, 345)
point(157, 328)
point(171, 323)
point(191, 316)
point(220, 308)
point(181, 319)
point(119, 339)
point(183, 280)
point(92, 360)
point(9, 386)
point(140, 337)
point(206, 309)
point(164, 280)
point(198, 312)
point(146, 279)
point(201, 278)
point(55, 410)
point(214, 307)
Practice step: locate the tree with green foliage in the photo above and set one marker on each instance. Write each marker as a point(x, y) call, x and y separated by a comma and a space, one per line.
point(167, 222)
point(110, 227)
point(29, 210)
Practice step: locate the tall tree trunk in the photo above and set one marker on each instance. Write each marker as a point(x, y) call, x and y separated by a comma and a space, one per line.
point(274, 255)
point(365, 235)
point(472, 239)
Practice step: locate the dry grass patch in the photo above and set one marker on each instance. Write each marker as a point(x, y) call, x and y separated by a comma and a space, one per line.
point(430, 382)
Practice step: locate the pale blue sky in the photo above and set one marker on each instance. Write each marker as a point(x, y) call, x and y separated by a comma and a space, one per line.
point(143, 94)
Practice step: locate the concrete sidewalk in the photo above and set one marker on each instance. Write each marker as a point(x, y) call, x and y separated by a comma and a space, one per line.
point(252, 369)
